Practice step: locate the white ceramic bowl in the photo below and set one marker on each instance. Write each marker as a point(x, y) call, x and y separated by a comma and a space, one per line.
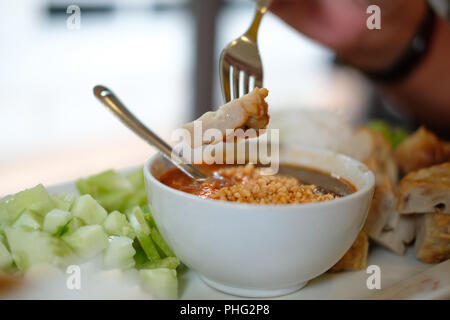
point(261, 250)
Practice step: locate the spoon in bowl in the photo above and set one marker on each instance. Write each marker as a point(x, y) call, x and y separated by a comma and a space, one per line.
point(108, 98)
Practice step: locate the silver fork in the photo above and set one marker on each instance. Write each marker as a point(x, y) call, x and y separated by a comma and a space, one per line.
point(241, 59)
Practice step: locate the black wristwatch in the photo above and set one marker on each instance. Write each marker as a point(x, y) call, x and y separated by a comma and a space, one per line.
point(412, 55)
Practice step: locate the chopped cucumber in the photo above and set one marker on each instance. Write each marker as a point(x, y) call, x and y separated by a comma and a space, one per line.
point(87, 241)
point(88, 210)
point(140, 258)
point(109, 188)
point(5, 257)
point(114, 191)
point(142, 231)
point(29, 221)
point(136, 178)
point(63, 201)
point(161, 283)
point(149, 218)
point(169, 263)
point(116, 224)
point(35, 199)
point(119, 253)
point(36, 247)
point(113, 201)
point(161, 243)
point(56, 220)
point(145, 209)
point(72, 226)
point(41, 229)
point(5, 216)
point(137, 198)
point(136, 217)
point(105, 182)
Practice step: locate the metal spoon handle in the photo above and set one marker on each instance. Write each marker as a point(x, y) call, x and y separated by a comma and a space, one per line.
point(108, 98)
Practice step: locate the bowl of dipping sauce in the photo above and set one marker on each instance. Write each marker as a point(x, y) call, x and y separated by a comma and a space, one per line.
point(257, 235)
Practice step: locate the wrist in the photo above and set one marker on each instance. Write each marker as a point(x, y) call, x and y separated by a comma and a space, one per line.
point(424, 95)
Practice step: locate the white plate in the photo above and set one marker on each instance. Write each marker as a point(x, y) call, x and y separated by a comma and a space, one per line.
point(344, 285)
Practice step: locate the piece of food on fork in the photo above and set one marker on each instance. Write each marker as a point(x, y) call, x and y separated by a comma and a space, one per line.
point(248, 111)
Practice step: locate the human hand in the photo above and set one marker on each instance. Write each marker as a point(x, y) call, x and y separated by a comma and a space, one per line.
point(341, 26)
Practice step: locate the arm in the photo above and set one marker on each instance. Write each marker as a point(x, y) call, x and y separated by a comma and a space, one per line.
point(341, 26)
point(426, 92)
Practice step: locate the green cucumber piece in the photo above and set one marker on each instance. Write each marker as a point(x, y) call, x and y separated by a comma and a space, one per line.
point(161, 283)
point(72, 226)
point(35, 199)
point(145, 209)
point(6, 259)
point(29, 221)
point(137, 198)
point(169, 263)
point(116, 224)
point(89, 210)
point(119, 253)
point(105, 182)
point(36, 247)
point(5, 216)
point(142, 231)
point(109, 188)
point(161, 243)
point(114, 191)
point(63, 201)
point(87, 241)
point(56, 220)
point(140, 258)
point(149, 218)
point(114, 200)
point(136, 178)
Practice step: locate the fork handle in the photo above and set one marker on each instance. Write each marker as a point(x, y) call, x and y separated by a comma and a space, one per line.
point(263, 5)
point(261, 8)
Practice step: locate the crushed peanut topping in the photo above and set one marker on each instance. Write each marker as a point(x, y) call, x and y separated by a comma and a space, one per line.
point(254, 187)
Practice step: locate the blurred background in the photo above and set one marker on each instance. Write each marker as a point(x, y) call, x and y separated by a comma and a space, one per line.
point(160, 57)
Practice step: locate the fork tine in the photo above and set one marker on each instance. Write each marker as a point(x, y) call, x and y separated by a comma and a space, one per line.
point(225, 80)
point(245, 89)
point(235, 82)
point(251, 83)
point(258, 82)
